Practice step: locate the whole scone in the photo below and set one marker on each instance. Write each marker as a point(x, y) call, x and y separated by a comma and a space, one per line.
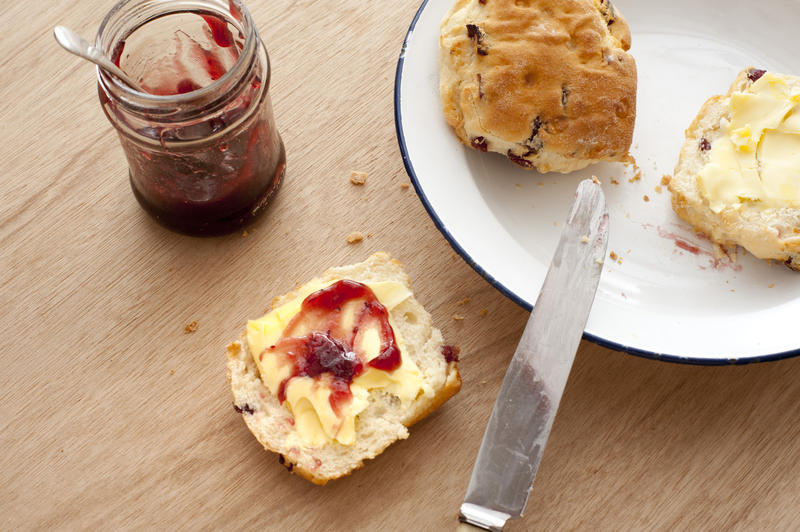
point(738, 175)
point(339, 369)
point(548, 83)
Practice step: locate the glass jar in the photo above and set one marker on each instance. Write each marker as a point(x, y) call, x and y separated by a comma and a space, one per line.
point(204, 155)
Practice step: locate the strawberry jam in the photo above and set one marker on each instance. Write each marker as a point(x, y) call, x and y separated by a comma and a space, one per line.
point(318, 344)
point(203, 151)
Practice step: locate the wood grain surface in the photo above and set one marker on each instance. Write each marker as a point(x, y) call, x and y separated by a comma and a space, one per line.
point(112, 417)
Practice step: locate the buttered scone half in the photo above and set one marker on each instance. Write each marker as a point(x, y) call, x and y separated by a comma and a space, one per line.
point(547, 83)
point(738, 176)
point(340, 368)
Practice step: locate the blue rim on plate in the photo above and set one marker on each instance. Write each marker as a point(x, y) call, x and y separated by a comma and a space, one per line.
point(502, 288)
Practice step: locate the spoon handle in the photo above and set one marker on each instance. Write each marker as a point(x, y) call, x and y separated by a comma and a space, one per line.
point(74, 43)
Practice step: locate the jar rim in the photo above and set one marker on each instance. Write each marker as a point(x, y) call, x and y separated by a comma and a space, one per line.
point(208, 92)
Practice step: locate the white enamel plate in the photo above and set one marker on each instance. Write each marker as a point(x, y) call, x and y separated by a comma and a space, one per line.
point(665, 297)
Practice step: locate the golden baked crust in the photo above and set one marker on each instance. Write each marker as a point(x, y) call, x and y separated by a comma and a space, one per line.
point(545, 82)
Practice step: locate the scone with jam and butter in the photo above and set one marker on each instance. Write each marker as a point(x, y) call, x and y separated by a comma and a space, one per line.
point(547, 83)
point(340, 368)
point(738, 176)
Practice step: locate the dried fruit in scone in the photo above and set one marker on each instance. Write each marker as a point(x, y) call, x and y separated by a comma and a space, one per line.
point(340, 368)
point(547, 83)
point(738, 175)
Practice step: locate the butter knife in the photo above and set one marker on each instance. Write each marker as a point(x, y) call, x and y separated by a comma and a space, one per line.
point(526, 406)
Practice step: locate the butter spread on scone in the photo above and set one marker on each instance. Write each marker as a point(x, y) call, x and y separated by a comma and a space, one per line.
point(322, 352)
point(738, 175)
point(548, 83)
point(356, 361)
point(757, 156)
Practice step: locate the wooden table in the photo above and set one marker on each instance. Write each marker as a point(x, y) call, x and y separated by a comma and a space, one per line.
point(114, 418)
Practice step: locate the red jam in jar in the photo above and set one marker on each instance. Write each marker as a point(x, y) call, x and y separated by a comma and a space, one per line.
point(204, 154)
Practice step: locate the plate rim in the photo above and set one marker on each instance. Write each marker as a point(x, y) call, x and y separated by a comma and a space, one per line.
point(499, 286)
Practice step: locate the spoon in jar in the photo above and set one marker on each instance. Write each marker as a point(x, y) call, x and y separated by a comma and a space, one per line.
point(75, 44)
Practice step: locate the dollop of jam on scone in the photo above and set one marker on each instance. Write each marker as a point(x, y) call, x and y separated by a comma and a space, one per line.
point(323, 358)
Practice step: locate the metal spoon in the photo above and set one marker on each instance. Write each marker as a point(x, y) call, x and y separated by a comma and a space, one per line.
point(74, 43)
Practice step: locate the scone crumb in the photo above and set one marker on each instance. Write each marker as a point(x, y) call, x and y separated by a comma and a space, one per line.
point(665, 179)
point(172, 372)
point(463, 301)
point(595, 180)
point(369, 235)
point(458, 317)
point(646, 198)
point(658, 189)
point(190, 328)
point(233, 348)
point(244, 233)
point(484, 312)
point(355, 237)
point(585, 239)
point(599, 261)
point(517, 185)
point(614, 181)
point(404, 186)
point(358, 178)
point(771, 285)
point(540, 184)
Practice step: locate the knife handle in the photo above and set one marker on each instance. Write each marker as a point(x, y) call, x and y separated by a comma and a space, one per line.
point(466, 527)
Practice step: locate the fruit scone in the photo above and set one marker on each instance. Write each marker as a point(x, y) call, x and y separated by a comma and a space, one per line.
point(547, 83)
point(738, 175)
point(340, 368)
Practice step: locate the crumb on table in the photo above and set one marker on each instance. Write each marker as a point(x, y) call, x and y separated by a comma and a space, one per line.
point(658, 189)
point(646, 198)
point(355, 237)
point(463, 301)
point(614, 181)
point(484, 312)
point(595, 180)
point(358, 178)
point(190, 328)
point(404, 186)
point(458, 317)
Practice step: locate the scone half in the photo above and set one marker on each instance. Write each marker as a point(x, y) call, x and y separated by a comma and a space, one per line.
point(737, 179)
point(547, 83)
point(387, 413)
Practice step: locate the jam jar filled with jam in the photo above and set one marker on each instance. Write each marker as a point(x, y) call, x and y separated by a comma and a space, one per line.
point(204, 155)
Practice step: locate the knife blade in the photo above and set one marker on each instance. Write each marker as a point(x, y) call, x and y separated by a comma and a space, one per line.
point(526, 406)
